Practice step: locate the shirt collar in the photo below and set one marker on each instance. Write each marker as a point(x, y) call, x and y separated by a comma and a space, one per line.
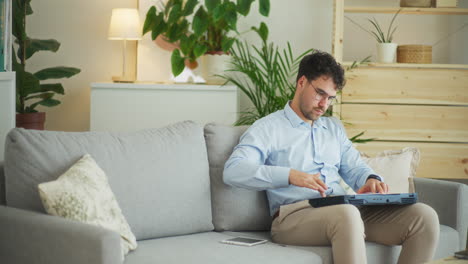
point(293, 118)
point(296, 121)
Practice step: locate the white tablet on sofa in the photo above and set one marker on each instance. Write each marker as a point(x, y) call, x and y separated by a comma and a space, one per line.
point(244, 241)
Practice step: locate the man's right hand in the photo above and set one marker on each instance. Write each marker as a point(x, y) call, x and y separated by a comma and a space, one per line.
point(311, 181)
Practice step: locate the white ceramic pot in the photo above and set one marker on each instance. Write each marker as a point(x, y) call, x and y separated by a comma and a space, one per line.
point(212, 65)
point(386, 52)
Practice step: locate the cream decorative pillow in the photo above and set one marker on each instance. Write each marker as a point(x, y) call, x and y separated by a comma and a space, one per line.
point(397, 167)
point(83, 194)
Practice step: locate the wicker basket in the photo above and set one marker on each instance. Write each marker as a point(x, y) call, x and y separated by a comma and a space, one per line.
point(414, 54)
point(415, 3)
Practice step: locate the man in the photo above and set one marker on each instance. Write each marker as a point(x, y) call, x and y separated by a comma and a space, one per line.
point(296, 154)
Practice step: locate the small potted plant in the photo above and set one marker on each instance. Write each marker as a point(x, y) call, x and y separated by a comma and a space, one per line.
point(197, 28)
point(386, 49)
point(30, 92)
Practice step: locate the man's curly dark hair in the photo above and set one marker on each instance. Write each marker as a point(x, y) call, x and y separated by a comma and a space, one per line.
point(320, 63)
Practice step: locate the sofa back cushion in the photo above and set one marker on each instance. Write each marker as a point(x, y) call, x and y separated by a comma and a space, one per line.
point(160, 177)
point(234, 209)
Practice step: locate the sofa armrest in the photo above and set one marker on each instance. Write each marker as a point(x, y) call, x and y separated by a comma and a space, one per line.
point(449, 200)
point(30, 237)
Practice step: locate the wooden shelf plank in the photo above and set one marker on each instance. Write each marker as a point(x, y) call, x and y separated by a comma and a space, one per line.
point(411, 65)
point(406, 86)
point(407, 122)
point(408, 10)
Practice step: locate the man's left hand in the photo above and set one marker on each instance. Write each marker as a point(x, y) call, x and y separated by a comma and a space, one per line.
point(373, 186)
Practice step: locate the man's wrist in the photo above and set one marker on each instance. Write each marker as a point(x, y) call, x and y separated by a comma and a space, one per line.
point(373, 176)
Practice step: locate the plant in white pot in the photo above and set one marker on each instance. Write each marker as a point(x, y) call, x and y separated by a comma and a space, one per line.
point(198, 28)
point(386, 49)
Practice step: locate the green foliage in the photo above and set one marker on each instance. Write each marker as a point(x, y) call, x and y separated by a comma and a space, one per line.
point(377, 31)
point(198, 27)
point(266, 75)
point(29, 91)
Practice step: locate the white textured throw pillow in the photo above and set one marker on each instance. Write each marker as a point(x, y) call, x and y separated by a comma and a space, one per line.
point(398, 167)
point(83, 194)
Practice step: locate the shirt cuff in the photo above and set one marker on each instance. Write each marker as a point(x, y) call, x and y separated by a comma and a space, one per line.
point(279, 176)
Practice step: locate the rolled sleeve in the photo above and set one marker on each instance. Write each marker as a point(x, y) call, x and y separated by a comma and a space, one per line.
point(246, 167)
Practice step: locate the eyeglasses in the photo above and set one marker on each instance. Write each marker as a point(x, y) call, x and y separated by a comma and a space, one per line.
point(320, 95)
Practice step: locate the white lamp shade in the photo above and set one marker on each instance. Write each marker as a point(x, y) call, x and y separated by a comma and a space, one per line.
point(125, 24)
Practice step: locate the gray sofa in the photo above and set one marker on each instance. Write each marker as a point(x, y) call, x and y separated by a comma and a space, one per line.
point(169, 185)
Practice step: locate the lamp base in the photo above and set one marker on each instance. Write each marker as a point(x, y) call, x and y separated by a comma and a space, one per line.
point(122, 79)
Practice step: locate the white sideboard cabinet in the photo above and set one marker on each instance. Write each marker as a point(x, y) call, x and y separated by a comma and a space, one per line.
point(124, 107)
point(7, 107)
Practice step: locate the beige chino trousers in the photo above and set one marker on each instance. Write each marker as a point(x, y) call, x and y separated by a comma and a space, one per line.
point(346, 227)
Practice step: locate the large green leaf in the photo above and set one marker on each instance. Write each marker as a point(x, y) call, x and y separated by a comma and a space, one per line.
point(29, 10)
point(49, 102)
point(159, 26)
point(35, 45)
point(264, 7)
point(231, 15)
point(199, 50)
point(40, 96)
point(52, 87)
point(243, 6)
point(177, 62)
point(227, 43)
point(18, 27)
point(175, 14)
point(200, 21)
point(189, 7)
point(186, 44)
point(219, 12)
point(56, 73)
point(262, 31)
point(27, 84)
point(150, 20)
point(212, 4)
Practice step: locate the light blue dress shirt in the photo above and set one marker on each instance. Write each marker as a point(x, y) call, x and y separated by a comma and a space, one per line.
point(282, 141)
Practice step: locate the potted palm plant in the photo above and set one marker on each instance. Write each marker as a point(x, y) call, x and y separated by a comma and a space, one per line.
point(386, 49)
point(198, 28)
point(30, 92)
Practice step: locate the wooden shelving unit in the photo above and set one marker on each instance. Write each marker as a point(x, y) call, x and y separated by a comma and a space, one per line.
point(407, 105)
point(408, 10)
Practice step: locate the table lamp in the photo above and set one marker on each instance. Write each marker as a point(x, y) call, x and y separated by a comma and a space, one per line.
point(124, 25)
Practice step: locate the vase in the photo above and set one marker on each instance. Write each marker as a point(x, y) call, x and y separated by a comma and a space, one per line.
point(386, 52)
point(31, 120)
point(214, 63)
point(162, 42)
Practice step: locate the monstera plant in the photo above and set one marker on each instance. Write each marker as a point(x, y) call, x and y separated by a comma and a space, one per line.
point(198, 28)
point(30, 91)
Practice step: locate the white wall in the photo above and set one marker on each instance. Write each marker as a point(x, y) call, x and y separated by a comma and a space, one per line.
point(81, 27)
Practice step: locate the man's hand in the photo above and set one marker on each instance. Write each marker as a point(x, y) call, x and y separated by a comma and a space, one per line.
point(373, 186)
point(311, 181)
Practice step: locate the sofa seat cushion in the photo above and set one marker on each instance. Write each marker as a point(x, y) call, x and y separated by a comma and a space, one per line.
point(448, 240)
point(204, 248)
point(160, 177)
point(376, 253)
